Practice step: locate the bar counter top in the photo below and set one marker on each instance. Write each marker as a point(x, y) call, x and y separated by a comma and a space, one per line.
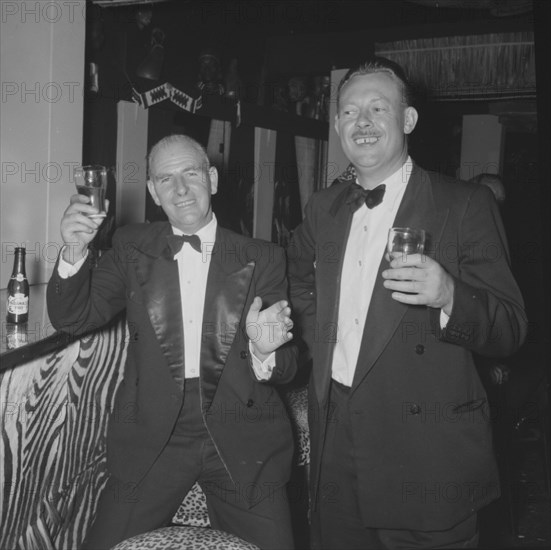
point(22, 343)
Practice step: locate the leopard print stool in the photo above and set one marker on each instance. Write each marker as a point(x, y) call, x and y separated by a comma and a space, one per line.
point(193, 510)
point(297, 404)
point(185, 538)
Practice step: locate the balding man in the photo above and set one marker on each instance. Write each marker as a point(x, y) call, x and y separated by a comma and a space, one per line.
point(200, 367)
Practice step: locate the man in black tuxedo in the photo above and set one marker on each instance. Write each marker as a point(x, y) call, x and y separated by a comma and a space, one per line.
point(401, 449)
point(201, 362)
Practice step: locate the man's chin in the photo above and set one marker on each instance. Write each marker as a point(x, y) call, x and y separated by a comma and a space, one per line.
point(364, 162)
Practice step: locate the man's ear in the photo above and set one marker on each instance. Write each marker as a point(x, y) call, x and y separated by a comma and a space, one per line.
point(410, 119)
point(153, 193)
point(213, 176)
point(337, 124)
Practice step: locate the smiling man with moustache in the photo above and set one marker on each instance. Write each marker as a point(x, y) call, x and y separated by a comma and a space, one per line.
point(401, 449)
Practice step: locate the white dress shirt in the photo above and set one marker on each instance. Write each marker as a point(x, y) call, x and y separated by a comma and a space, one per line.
point(193, 268)
point(365, 248)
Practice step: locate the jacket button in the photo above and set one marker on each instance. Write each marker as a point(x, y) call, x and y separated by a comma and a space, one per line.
point(415, 409)
point(243, 355)
point(419, 349)
point(250, 403)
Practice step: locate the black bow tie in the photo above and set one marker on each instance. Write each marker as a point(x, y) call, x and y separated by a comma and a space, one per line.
point(175, 242)
point(357, 195)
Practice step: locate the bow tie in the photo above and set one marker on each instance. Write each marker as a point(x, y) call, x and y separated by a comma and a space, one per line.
point(357, 195)
point(175, 242)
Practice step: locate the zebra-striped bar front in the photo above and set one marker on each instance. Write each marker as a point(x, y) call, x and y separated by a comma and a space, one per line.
point(56, 394)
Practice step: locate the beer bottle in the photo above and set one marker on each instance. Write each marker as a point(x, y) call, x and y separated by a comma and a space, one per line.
point(18, 291)
point(16, 335)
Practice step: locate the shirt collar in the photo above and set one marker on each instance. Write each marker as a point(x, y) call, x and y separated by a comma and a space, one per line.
point(396, 183)
point(207, 233)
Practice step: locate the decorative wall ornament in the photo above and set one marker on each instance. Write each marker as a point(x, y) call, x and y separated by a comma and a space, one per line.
point(209, 80)
point(152, 65)
point(164, 92)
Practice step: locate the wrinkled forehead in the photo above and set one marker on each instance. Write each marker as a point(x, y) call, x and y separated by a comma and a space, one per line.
point(381, 81)
point(178, 154)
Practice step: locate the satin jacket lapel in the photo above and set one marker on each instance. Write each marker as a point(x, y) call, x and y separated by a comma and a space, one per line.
point(157, 272)
point(418, 209)
point(228, 286)
point(329, 262)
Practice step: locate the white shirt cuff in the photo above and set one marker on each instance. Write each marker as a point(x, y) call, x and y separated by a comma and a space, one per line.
point(65, 269)
point(444, 318)
point(262, 369)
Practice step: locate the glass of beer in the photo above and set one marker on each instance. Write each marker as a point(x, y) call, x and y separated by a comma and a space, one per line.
point(91, 181)
point(405, 240)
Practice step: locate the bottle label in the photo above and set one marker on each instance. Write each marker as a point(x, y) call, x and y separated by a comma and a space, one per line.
point(16, 336)
point(18, 304)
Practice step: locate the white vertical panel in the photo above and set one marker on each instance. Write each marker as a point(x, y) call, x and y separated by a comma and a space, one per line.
point(336, 159)
point(306, 152)
point(264, 173)
point(132, 123)
point(42, 72)
point(481, 144)
point(218, 146)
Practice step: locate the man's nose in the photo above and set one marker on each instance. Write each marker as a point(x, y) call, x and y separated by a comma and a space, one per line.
point(181, 185)
point(363, 119)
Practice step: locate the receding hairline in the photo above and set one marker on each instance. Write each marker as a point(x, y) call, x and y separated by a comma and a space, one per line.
point(377, 65)
point(174, 139)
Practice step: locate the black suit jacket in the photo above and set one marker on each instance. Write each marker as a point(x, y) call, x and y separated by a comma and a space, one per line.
point(420, 415)
point(245, 417)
